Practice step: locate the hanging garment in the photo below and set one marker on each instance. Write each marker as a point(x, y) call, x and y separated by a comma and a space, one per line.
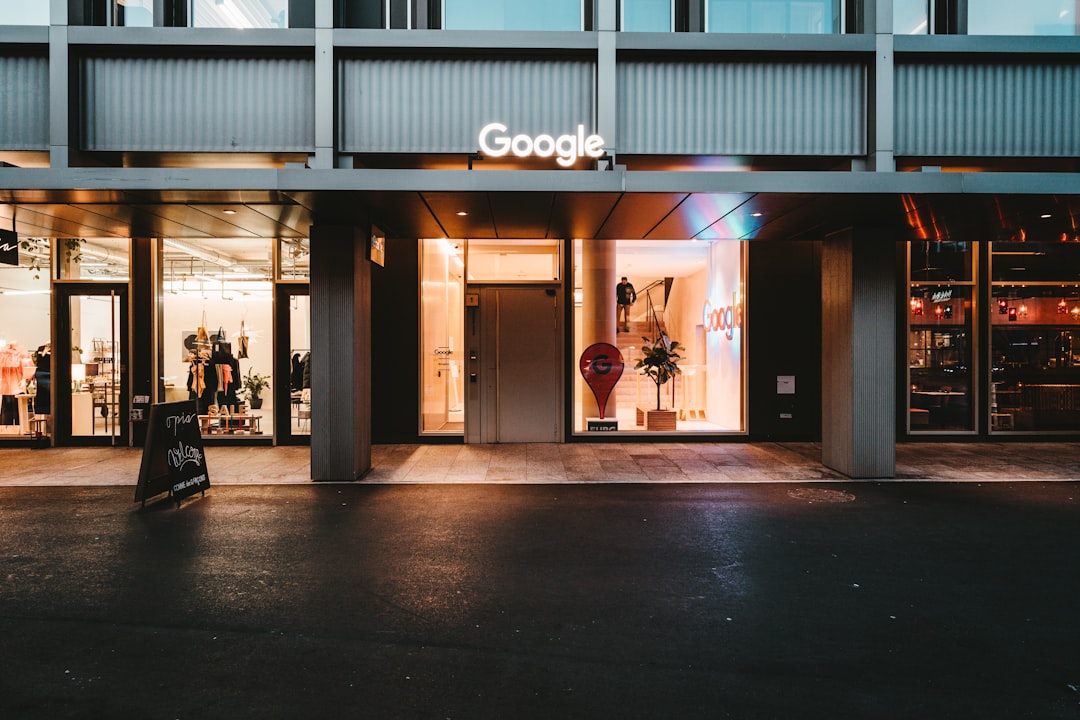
point(12, 359)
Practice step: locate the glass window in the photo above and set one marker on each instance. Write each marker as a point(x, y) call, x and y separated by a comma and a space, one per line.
point(940, 329)
point(133, 13)
point(295, 259)
point(300, 364)
point(685, 292)
point(513, 260)
point(25, 345)
point(773, 16)
point(511, 15)
point(1035, 342)
point(220, 286)
point(911, 17)
point(21, 12)
point(102, 259)
point(647, 16)
point(939, 358)
point(1034, 17)
point(240, 13)
point(442, 331)
point(936, 260)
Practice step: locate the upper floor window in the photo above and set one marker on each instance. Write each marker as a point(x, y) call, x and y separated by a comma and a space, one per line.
point(647, 15)
point(21, 12)
point(239, 13)
point(512, 15)
point(773, 16)
point(911, 17)
point(1031, 17)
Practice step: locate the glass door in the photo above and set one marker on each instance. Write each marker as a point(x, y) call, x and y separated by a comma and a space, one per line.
point(91, 388)
point(292, 365)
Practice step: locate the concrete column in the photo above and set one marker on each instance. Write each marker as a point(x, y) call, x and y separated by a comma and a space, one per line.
point(59, 82)
point(858, 337)
point(324, 157)
point(340, 353)
point(606, 79)
point(880, 103)
point(598, 279)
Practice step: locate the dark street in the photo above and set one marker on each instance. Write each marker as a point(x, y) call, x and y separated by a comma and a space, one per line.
point(841, 600)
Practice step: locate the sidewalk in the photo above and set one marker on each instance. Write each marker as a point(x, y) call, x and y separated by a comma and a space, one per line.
point(558, 464)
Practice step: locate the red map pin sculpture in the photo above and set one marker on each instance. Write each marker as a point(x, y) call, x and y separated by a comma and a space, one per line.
point(601, 365)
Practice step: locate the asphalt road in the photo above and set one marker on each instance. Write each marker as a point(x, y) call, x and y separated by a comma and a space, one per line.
point(531, 601)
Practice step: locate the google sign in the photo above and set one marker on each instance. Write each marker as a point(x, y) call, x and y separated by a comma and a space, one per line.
point(723, 319)
point(495, 142)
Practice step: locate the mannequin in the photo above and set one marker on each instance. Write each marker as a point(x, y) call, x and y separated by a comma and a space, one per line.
point(12, 359)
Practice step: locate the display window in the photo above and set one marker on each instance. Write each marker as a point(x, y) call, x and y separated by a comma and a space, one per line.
point(940, 332)
point(1035, 337)
point(678, 323)
point(25, 345)
point(218, 332)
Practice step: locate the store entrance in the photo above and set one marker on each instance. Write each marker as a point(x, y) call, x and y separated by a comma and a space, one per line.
point(513, 364)
point(90, 392)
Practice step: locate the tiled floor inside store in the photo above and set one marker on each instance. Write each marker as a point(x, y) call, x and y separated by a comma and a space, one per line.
point(567, 463)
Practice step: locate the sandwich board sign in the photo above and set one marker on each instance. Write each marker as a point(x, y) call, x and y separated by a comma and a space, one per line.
point(173, 459)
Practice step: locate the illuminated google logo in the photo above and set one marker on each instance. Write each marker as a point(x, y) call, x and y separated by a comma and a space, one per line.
point(723, 319)
point(495, 142)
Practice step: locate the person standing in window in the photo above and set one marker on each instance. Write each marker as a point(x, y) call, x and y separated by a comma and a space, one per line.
point(625, 296)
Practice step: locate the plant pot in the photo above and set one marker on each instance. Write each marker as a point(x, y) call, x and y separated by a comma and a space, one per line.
point(255, 403)
point(657, 419)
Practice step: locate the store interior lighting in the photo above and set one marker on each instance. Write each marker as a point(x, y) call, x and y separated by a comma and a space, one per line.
point(207, 255)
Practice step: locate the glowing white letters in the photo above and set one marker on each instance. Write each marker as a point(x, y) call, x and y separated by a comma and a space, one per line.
point(495, 142)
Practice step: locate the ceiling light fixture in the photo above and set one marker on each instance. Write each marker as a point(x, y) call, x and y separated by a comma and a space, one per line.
point(229, 212)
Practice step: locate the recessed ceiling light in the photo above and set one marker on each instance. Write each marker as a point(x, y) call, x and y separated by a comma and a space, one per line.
point(756, 214)
point(229, 212)
point(1044, 217)
point(462, 213)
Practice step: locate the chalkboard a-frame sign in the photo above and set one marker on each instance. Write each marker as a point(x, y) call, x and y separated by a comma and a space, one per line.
point(173, 460)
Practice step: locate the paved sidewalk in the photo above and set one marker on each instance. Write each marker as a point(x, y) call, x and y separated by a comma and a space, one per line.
point(566, 463)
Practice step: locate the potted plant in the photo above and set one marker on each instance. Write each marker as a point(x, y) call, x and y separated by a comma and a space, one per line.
point(660, 361)
point(251, 386)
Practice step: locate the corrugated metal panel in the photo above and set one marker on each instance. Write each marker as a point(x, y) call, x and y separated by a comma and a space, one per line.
point(198, 104)
point(439, 105)
point(742, 108)
point(987, 109)
point(24, 108)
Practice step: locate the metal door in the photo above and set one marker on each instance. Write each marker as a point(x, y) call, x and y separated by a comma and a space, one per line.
point(514, 364)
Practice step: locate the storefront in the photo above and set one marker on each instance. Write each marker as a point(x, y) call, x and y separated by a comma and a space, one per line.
point(212, 339)
point(835, 215)
point(991, 338)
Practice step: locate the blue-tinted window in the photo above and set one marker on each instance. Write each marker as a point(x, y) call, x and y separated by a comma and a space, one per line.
point(1031, 17)
point(911, 17)
point(646, 16)
point(511, 15)
point(22, 12)
point(773, 16)
point(240, 13)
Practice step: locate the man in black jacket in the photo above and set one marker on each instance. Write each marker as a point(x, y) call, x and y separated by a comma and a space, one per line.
point(625, 296)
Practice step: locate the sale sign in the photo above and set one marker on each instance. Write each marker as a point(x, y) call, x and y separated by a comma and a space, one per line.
point(601, 365)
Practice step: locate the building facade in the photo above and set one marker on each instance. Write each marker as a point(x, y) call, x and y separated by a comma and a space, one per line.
point(341, 222)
